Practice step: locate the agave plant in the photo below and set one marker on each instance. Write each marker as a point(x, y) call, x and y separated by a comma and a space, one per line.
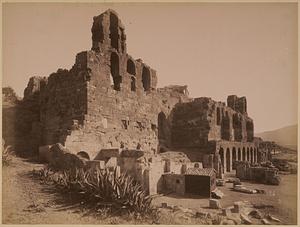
point(103, 187)
point(6, 153)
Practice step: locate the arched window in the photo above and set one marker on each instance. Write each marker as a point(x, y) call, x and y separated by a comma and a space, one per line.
point(221, 153)
point(114, 71)
point(146, 78)
point(131, 67)
point(133, 86)
point(113, 29)
point(162, 124)
point(228, 163)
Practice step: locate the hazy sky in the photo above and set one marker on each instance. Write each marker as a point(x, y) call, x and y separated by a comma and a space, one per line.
point(217, 49)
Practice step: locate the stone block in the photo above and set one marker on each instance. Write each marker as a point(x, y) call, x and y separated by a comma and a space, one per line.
point(214, 204)
point(238, 206)
point(245, 219)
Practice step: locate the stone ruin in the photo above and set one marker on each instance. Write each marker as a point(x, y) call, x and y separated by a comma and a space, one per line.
point(109, 100)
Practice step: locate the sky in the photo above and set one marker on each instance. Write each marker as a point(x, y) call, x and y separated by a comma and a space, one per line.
point(217, 49)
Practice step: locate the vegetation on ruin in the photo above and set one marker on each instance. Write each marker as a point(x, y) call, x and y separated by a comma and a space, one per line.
point(101, 189)
point(7, 152)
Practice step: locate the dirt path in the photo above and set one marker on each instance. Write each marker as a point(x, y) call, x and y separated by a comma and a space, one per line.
point(26, 201)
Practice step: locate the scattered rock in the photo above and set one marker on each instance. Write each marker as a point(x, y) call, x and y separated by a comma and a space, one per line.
point(214, 204)
point(164, 205)
point(201, 214)
point(220, 182)
point(260, 191)
point(227, 222)
point(256, 214)
point(226, 212)
point(217, 194)
point(245, 219)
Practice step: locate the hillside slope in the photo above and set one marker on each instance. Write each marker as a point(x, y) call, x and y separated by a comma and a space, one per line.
point(286, 136)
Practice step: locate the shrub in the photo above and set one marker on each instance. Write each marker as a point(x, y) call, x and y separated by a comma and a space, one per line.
point(6, 154)
point(102, 188)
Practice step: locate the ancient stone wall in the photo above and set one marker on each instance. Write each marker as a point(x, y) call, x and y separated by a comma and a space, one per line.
point(203, 120)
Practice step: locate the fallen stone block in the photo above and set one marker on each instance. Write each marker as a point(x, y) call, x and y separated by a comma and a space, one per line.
point(255, 214)
point(201, 214)
point(265, 221)
point(164, 205)
point(217, 194)
point(245, 219)
point(272, 218)
point(220, 182)
point(227, 222)
point(214, 204)
point(238, 206)
point(260, 191)
point(226, 212)
point(240, 188)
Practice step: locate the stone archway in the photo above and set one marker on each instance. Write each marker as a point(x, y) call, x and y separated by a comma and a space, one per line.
point(228, 160)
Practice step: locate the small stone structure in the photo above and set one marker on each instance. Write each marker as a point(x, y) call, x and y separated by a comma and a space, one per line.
point(263, 174)
point(109, 100)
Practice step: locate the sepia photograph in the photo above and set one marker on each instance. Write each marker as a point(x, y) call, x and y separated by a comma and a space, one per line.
point(150, 113)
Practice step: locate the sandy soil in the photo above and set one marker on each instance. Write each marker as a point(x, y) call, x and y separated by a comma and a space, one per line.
point(26, 201)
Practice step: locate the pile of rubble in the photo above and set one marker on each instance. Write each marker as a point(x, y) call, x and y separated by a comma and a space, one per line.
point(242, 212)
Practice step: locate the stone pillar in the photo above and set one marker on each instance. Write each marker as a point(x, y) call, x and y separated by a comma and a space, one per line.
point(225, 161)
point(230, 158)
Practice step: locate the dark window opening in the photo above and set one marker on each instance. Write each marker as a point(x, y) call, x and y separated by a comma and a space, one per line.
point(146, 78)
point(177, 181)
point(133, 86)
point(131, 67)
point(114, 31)
point(114, 70)
point(162, 124)
point(228, 167)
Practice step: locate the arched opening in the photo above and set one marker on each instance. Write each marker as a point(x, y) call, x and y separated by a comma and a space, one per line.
point(234, 158)
point(255, 155)
point(84, 155)
point(244, 154)
point(114, 31)
point(221, 153)
point(131, 67)
point(248, 154)
point(218, 116)
point(251, 155)
point(228, 163)
point(114, 71)
point(162, 125)
point(225, 127)
point(146, 78)
point(132, 85)
point(239, 154)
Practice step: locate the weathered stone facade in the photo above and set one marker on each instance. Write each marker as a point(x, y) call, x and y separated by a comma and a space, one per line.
point(108, 99)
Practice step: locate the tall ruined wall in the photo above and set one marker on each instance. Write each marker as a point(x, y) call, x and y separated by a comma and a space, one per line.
point(63, 103)
point(124, 108)
point(203, 120)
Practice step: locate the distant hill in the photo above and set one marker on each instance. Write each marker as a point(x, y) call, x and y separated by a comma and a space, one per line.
point(286, 136)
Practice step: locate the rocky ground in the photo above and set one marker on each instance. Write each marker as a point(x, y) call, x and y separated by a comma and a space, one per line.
point(27, 201)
